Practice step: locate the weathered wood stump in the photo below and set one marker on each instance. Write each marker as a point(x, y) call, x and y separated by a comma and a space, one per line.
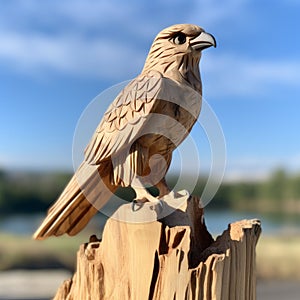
point(171, 258)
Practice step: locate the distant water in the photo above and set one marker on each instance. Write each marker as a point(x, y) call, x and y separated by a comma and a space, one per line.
point(20, 224)
point(216, 222)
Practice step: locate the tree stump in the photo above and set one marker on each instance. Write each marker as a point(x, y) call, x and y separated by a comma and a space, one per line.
point(174, 257)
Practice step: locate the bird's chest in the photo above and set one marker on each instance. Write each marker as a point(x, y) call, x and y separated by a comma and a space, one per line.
point(179, 105)
point(175, 116)
point(168, 126)
point(172, 117)
point(180, 102)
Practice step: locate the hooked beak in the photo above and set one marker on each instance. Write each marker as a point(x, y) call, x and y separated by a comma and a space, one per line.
point(202, 41)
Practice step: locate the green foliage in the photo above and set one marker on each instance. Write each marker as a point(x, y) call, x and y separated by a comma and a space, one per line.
point(22, 252)
point(277, 186)
point(279, 193)
point(34, 192)
point(29, 192)
point(295, 187)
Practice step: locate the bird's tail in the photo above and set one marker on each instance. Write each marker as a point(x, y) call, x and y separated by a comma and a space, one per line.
point(78, 203)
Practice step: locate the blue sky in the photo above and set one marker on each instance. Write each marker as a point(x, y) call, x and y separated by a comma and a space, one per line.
point(56, 56)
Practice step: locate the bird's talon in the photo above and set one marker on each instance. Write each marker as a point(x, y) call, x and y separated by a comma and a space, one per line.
point(136, 203)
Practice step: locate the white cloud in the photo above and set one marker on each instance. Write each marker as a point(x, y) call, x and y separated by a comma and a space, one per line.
point(62, 39)
point(224, 75)
point(215, 13)
point(259, 167)
point(228, 75)
point(72, 37)
point(84, 13)
point(68, 54)
point(95, 38)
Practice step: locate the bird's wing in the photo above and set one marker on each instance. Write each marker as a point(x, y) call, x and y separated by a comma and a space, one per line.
point(124, 119)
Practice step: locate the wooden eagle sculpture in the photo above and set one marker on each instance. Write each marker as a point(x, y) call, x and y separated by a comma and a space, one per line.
point(133, 144)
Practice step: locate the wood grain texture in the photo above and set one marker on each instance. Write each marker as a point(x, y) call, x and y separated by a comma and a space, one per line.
point(133, 144)
point(174, 258)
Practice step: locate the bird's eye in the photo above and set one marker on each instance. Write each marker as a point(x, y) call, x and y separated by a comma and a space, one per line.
point(179, 38)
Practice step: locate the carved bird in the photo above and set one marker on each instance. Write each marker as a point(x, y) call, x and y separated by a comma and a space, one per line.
point(133, 144)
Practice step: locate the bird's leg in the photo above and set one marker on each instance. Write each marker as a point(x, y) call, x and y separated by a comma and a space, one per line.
point(142, 195)
point(163, 188)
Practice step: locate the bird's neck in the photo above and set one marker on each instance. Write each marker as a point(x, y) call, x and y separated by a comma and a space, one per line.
point(184, 69)
point(189, 72)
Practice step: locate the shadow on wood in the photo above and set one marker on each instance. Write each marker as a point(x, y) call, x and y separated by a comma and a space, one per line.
point(172, 258)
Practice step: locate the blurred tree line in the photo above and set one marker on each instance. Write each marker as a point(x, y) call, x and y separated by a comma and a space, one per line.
point(280, 193)
point(29, 192)
point(32, 192)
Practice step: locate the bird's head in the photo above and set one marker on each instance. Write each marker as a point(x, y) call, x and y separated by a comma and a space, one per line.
point(176, 52)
